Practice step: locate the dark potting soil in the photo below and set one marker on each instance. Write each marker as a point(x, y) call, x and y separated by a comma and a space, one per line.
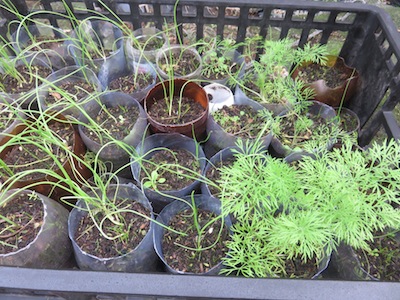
point(190, 111)
point(30, 79)
point(133, 228)
point(44, 42)
point(180, 64)
point(175, 177)
point(240, 120)
point(146, 43)
point(175, 246)
point(31, 157)
point(129, 84)
point(347, 122)
point(333, 76)
point(76, 91)
point(23, 218)
point(214, 174)
point(118, 121)
point(231, 68)
point(291, 138)
point(296, 268)
point(384, 260)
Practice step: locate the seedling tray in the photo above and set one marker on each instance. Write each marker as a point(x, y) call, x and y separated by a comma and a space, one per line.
point(370, 43)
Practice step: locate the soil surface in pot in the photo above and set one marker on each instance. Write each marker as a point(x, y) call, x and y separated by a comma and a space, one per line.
point(180, 64)
point(118, 122)
point(296, 268)
point(22, 218)
point(214, 174)
point(44, 42)
point(74, 90)
point(294, 132)
point(29, 156)
point(175, 246)
point(189, 109)
point(220, 72)
point(29, 79)
point(333, 76)
point(240, 120)
point(174, 176)
point(148, 43)
point(131, 83)
point(133, 228)
point(383, 262)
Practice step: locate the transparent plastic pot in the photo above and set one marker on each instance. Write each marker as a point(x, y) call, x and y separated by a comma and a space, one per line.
point(201, 201)
point(57, 56)
point(70, 74)
point(220, 139)
point(141, 259)
point(143, 37)
point(27, 99)
point(167, 54)
point(147, 149)
point(15, 118)
point(101, 34)
point(51, 248)
point(237, 61)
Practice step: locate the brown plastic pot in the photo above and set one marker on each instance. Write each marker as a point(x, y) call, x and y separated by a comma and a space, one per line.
point(191, 90)
point(333, 96)
point(72, 167)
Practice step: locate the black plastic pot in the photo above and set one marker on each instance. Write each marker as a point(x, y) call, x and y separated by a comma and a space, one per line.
point(57, 56)
point(201, 201)
point(51, 247)
point(170, 141)
point(70, 74)
point(115, 156)
point(321, 110)
point(141, 259)
point(220, 139)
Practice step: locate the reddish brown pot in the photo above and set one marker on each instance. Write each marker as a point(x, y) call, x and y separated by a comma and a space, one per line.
point(333, 96)
point(74, 169)
point(191, 90)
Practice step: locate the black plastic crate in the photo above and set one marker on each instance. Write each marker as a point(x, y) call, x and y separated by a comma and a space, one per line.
point(372, 45)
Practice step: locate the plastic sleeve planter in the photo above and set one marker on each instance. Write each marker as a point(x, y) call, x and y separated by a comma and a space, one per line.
point(71, 166)
point(105, 35)
point(168, 53)
point(191, 90)
point(112, 71)
point(220, 139)
point(236, 58)
point(28, 99)
point(70, 74)
point(170, 141)
point(142, 36)
point(141, 259)
point(317, 108)
point(220, 156)
point(51, 247)
point(57, 56)
point(113, 99)
point(203, 202)
point(333, 96)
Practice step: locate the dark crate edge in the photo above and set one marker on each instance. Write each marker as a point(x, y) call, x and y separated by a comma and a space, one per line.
point(218, 287)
